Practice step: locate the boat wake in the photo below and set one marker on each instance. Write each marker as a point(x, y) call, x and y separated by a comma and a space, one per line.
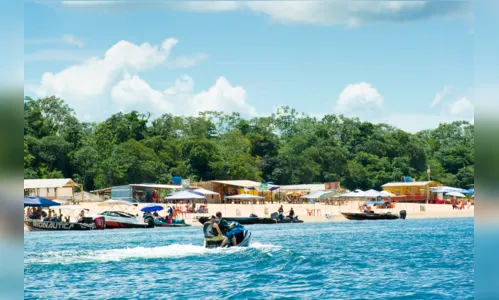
point(136, 253)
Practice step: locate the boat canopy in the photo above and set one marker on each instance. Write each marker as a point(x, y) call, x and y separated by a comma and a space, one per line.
point(39, 202)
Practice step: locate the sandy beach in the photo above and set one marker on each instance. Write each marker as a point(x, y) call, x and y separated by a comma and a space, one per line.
point(319, 211)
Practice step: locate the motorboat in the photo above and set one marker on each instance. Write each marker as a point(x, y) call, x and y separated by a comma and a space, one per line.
point(243, 237)
point(118, 218)
point(64, 224)
point(374, 215)
point(174, 223)
point(121, 219)
point(285, 219)
point(86, 224)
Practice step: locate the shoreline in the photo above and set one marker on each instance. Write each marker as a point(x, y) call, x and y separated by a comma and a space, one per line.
point(414, 211)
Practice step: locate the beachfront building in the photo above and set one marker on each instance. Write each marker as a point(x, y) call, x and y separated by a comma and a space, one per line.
point(236, 187)
point(60, 188)
point(413, 191)
point(145, 192)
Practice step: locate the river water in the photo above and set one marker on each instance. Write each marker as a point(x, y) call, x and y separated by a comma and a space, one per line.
point(430, 259)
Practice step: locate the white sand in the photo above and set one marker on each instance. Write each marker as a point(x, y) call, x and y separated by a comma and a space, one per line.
point(414, 211)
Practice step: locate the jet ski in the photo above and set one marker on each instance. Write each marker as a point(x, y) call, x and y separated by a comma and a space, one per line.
point(242, 235)
point(285, 219)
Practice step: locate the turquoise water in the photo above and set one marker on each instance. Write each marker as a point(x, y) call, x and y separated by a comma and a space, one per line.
point(431, 259)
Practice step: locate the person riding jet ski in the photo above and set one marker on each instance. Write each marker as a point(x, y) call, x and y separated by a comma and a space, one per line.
point(212, 232)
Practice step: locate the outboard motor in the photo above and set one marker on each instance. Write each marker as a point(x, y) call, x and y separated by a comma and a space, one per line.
point(252, 215)
point(100, 223)
point(403, 214)
point(274, 215)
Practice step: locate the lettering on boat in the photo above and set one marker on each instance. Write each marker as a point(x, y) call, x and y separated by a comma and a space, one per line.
point(52, 225)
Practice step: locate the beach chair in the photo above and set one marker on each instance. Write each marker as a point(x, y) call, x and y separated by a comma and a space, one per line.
point(328, 216)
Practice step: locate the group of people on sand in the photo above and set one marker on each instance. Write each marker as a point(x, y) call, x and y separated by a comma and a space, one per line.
point(217, 229)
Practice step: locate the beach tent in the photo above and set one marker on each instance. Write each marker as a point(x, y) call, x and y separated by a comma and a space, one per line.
point(39, 202)
point(203, 192)
point(352, 195)
point(372, 194)
point(314, 195)
point(358, 191)
point(184, 195)
point(244, 196)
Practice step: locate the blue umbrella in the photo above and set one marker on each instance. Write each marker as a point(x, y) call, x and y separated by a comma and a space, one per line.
point(152, 207)
point(39, 202)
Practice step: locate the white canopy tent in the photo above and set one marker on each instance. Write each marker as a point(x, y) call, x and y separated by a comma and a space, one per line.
point(456, 194)
point(314, 195)
point(184, 195)
point(205, 191)
point(244, 197)
point(374, 194)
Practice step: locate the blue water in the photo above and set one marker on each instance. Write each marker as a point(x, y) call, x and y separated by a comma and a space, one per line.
point(430, 259)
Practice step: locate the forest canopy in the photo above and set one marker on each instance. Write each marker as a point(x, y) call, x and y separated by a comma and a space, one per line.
point(286, 147)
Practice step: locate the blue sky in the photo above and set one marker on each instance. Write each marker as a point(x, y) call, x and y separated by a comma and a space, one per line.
point(409, 64)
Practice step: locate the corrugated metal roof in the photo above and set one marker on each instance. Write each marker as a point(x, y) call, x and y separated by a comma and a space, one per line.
point(310, 187)
point(415, 183)
point(157, 186)
point(48, 183)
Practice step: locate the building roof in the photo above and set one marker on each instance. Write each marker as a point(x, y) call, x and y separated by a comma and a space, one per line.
point(48, 183)
point(414, 183)
point(310, 187)
point(242, 183)
point(157, 186)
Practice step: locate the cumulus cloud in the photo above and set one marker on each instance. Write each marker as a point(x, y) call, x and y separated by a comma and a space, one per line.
point(134, 93)
point(329, 12)
point(338, 11)
point(98, 87)
point(440, 95)
point(186, 61)
point(360, 100)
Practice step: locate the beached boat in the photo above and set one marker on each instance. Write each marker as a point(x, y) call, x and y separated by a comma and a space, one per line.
point(87, 224)
point(374, 216)
point(285, 219)
point(120, 219)
point(159, 223)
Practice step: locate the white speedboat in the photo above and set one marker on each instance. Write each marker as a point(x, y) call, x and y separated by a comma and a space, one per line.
point(117, 218)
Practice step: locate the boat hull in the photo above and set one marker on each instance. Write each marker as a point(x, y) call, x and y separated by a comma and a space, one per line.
point(124, 225)
point(36, 225)
point(364, 216)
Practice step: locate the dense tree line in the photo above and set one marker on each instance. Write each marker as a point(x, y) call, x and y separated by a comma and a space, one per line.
point(286, 148)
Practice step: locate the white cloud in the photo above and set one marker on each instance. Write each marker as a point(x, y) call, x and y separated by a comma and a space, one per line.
point(94, 89)
point(360, 100)
point(462, 108)
point(72, 40)
point(134, 93)
point(182, 85)
point(352, 13)
point(186, 61)
point(440, 95)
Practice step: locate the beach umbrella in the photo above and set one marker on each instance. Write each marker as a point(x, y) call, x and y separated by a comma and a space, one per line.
point(39, 202)
point(456, 194)
point(314, 195)
point(152, 207)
